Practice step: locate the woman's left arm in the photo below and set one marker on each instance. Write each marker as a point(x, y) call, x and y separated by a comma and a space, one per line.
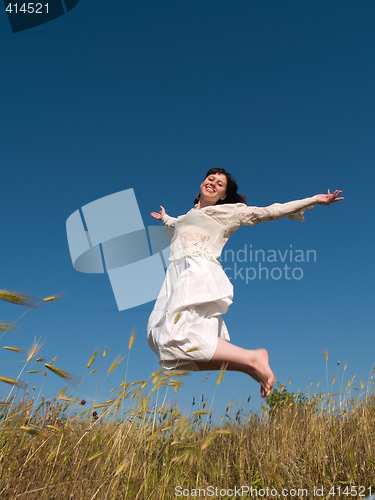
point(292, 210)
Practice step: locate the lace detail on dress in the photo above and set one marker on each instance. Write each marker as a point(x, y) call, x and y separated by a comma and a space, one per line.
point(226, 217)
point(252, 217)
point(193, 237)
point(298, 214)
point(195, 245)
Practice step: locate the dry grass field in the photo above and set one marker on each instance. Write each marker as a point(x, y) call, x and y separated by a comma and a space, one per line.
point(318, 446)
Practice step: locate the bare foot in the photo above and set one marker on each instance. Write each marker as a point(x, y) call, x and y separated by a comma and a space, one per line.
point(252, 362)
point(260, 370)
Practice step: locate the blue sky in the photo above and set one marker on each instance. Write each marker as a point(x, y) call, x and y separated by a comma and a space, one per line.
point(150, 95)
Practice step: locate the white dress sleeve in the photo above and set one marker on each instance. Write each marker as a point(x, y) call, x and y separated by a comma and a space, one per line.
point(292, 210)
point(169, 223)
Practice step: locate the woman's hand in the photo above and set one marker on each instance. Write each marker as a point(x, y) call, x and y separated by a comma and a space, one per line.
point(326, 199)
point(159, 215)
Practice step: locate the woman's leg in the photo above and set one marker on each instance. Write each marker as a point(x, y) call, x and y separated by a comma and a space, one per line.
point(254, 363)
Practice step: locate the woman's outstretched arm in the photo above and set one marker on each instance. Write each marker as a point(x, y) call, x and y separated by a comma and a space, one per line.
point(159, 215)
point(166, 220)
point(291, 210)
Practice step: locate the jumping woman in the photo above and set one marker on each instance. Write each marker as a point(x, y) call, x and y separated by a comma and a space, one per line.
point(186, 329)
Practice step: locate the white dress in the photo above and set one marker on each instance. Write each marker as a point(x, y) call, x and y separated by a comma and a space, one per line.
point(186, 321)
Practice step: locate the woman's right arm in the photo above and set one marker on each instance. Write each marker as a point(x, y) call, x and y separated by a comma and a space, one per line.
point(166, 219)
point(160, 215)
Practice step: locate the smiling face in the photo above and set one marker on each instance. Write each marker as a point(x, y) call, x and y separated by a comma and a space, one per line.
point(213, 189)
